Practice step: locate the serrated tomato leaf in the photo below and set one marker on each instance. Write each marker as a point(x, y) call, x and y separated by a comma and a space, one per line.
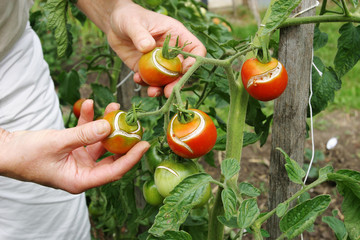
point(248, 213)
point(177, 206)
point(295, 172)
point(348, 53)
point(248, 189)
point(172, 235)
point(348, 185)
point(337, 226)
point(229, 201)
point(57, 21)
point(229, 167)
point(302, 216)
point(320, 38)
point(324, 84)
point(279, 12)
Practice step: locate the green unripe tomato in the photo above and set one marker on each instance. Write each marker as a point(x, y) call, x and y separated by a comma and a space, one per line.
point(151, 194)
point(170, 173)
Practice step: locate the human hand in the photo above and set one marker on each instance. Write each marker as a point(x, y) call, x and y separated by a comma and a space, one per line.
point(58, 158)
point(134, 31)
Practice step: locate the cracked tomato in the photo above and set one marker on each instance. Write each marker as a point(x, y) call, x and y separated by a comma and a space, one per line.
point(123, 136)
point(194, 138)
point(156, 70)
point(264, 81)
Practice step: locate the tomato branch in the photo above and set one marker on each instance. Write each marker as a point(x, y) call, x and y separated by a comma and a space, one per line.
point(261, 220)
point(318, 19)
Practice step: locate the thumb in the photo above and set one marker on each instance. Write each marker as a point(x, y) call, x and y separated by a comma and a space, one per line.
point(85, 134)
point(141, 38)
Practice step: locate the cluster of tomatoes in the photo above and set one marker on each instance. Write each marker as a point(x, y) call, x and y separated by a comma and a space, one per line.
point(188, 139)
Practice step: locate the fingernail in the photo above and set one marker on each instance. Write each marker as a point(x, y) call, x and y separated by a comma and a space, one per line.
point(101, 127)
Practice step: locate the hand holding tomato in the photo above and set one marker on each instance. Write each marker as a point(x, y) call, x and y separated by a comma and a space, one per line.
point(264, 81)
point(59, 158)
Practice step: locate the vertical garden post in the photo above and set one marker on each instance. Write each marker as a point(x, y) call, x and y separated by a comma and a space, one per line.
point(290, 110)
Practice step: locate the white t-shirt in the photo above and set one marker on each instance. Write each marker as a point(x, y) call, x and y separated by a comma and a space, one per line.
point(28, 101)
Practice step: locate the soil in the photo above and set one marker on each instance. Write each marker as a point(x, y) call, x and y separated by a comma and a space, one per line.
point(345, 126)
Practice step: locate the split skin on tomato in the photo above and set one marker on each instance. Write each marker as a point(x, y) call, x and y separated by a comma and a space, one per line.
point(171, 172)
point(151, 194)
point(77, 107)
point(264, 81)
point(194, 138)
point(123, 136)
point(156, 70)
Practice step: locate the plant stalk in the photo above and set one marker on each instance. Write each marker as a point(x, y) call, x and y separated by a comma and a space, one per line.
point(318, 19)
point(235, 132)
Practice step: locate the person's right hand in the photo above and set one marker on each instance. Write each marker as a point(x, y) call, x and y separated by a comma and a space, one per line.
point(66, 159)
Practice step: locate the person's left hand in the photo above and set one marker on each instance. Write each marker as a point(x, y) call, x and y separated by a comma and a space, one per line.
point(66, 159)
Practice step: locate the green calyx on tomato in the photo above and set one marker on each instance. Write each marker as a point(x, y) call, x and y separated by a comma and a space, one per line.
point(264, 81)
point(77, 107)
point(171, 172)
point(123, 136)
point(151, 194)
point(194, 138)
point(156, 70)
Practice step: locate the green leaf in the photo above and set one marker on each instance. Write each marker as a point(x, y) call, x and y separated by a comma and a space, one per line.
point(348, 53)
point(324, 86)
point(248, 213)
point(230, 167)
point(57, 21)
point(279, 11)
point(231, 223)
point(69, 87)
point(337, 226)
point(102, 95)
point(320, 38)
point(172, 235)
point(323, 172)
point(281, 209)
point(229, 200)
point(248, 189)
point(178, 205)
point(348, 185)
point(302, 216)
point(295, 172)
point(250, 138)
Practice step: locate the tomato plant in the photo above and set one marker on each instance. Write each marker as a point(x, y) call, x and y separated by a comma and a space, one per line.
point(123, 136)
point(213, 83)
point(194, 138)
point(264, 81)
point(77, 107)
point(156, 70)
point(151, 194)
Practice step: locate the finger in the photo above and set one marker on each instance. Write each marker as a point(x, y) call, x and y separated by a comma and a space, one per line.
point(86, 112)
point(108, 171)
point(83, 135)
point(141, 37)
point(169, 88)
point(96, 150)
point(154, 91)
point(138, 80)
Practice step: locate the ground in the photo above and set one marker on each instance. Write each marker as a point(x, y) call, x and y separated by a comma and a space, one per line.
point(345, 126)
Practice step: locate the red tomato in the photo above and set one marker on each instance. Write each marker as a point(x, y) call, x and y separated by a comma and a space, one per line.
point(193, 139)
point(264, 82)
point(156, 70)
point(123, 136)
point(77, 107)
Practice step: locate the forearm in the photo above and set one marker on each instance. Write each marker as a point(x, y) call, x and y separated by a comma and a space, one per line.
point(99, 11)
